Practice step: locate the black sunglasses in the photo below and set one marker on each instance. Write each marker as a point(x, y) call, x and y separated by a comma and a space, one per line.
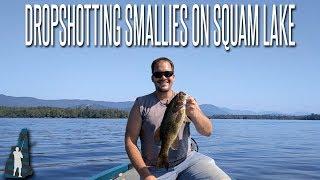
point(160, 74)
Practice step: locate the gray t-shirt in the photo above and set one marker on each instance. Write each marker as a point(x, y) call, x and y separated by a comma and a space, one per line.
point(152, 112)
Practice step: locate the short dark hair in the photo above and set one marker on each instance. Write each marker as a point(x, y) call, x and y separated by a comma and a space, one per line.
point(156, 61)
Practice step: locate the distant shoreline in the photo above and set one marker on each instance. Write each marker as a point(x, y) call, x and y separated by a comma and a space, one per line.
point(51, 112)
point(268, 117)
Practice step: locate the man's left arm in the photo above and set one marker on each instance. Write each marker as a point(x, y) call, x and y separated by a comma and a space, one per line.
point(200, 121)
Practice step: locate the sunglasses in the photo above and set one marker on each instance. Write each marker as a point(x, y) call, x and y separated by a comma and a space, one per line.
point(160, 74)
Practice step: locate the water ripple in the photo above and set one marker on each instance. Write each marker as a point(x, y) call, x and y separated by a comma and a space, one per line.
point(80, 148)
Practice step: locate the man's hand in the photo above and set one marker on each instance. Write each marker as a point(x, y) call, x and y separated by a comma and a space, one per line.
point(192, 107)
point(200, 121)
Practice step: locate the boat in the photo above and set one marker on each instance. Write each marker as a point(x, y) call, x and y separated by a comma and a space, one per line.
point(123, 171)
point(127, 171)
point(22, 147)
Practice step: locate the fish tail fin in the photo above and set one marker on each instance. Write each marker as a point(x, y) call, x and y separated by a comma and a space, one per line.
point(163, 161)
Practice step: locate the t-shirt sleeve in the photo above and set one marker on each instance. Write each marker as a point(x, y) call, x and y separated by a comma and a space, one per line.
point(138, 104)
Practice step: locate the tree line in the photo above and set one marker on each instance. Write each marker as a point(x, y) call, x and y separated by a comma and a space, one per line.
point(53, 112)
point(86, 112)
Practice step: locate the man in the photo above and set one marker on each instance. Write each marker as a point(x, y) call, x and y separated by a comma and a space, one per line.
point(17, 161)
point(145, 118)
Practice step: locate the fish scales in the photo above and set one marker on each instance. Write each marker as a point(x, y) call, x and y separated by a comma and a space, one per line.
point(174, 117)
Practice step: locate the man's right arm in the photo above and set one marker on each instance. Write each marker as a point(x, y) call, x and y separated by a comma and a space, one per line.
point(131, 137)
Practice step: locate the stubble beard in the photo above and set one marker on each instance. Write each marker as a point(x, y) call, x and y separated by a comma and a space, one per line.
point(163, 90)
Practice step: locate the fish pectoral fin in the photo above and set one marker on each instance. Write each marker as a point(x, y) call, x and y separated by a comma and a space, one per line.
point(187, 120)
point(156, 136)
point(175, 144)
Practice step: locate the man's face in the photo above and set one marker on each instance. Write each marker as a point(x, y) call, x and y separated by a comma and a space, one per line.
point(163, 83)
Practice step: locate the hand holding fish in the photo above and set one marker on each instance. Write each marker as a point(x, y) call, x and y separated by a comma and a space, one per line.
point(192, 108)
point(201, 121)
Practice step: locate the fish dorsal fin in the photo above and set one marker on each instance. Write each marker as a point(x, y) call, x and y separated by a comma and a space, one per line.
point(175, 144)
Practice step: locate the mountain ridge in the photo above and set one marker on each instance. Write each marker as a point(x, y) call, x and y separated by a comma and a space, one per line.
point(12, 101)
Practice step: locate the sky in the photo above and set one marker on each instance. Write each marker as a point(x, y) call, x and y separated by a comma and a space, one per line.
point(257, 79)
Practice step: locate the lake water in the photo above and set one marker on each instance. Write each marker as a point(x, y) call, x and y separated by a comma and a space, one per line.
point(245, 149)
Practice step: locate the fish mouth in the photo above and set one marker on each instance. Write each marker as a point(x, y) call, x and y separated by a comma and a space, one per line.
point(184, 104)
point(185, 99)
